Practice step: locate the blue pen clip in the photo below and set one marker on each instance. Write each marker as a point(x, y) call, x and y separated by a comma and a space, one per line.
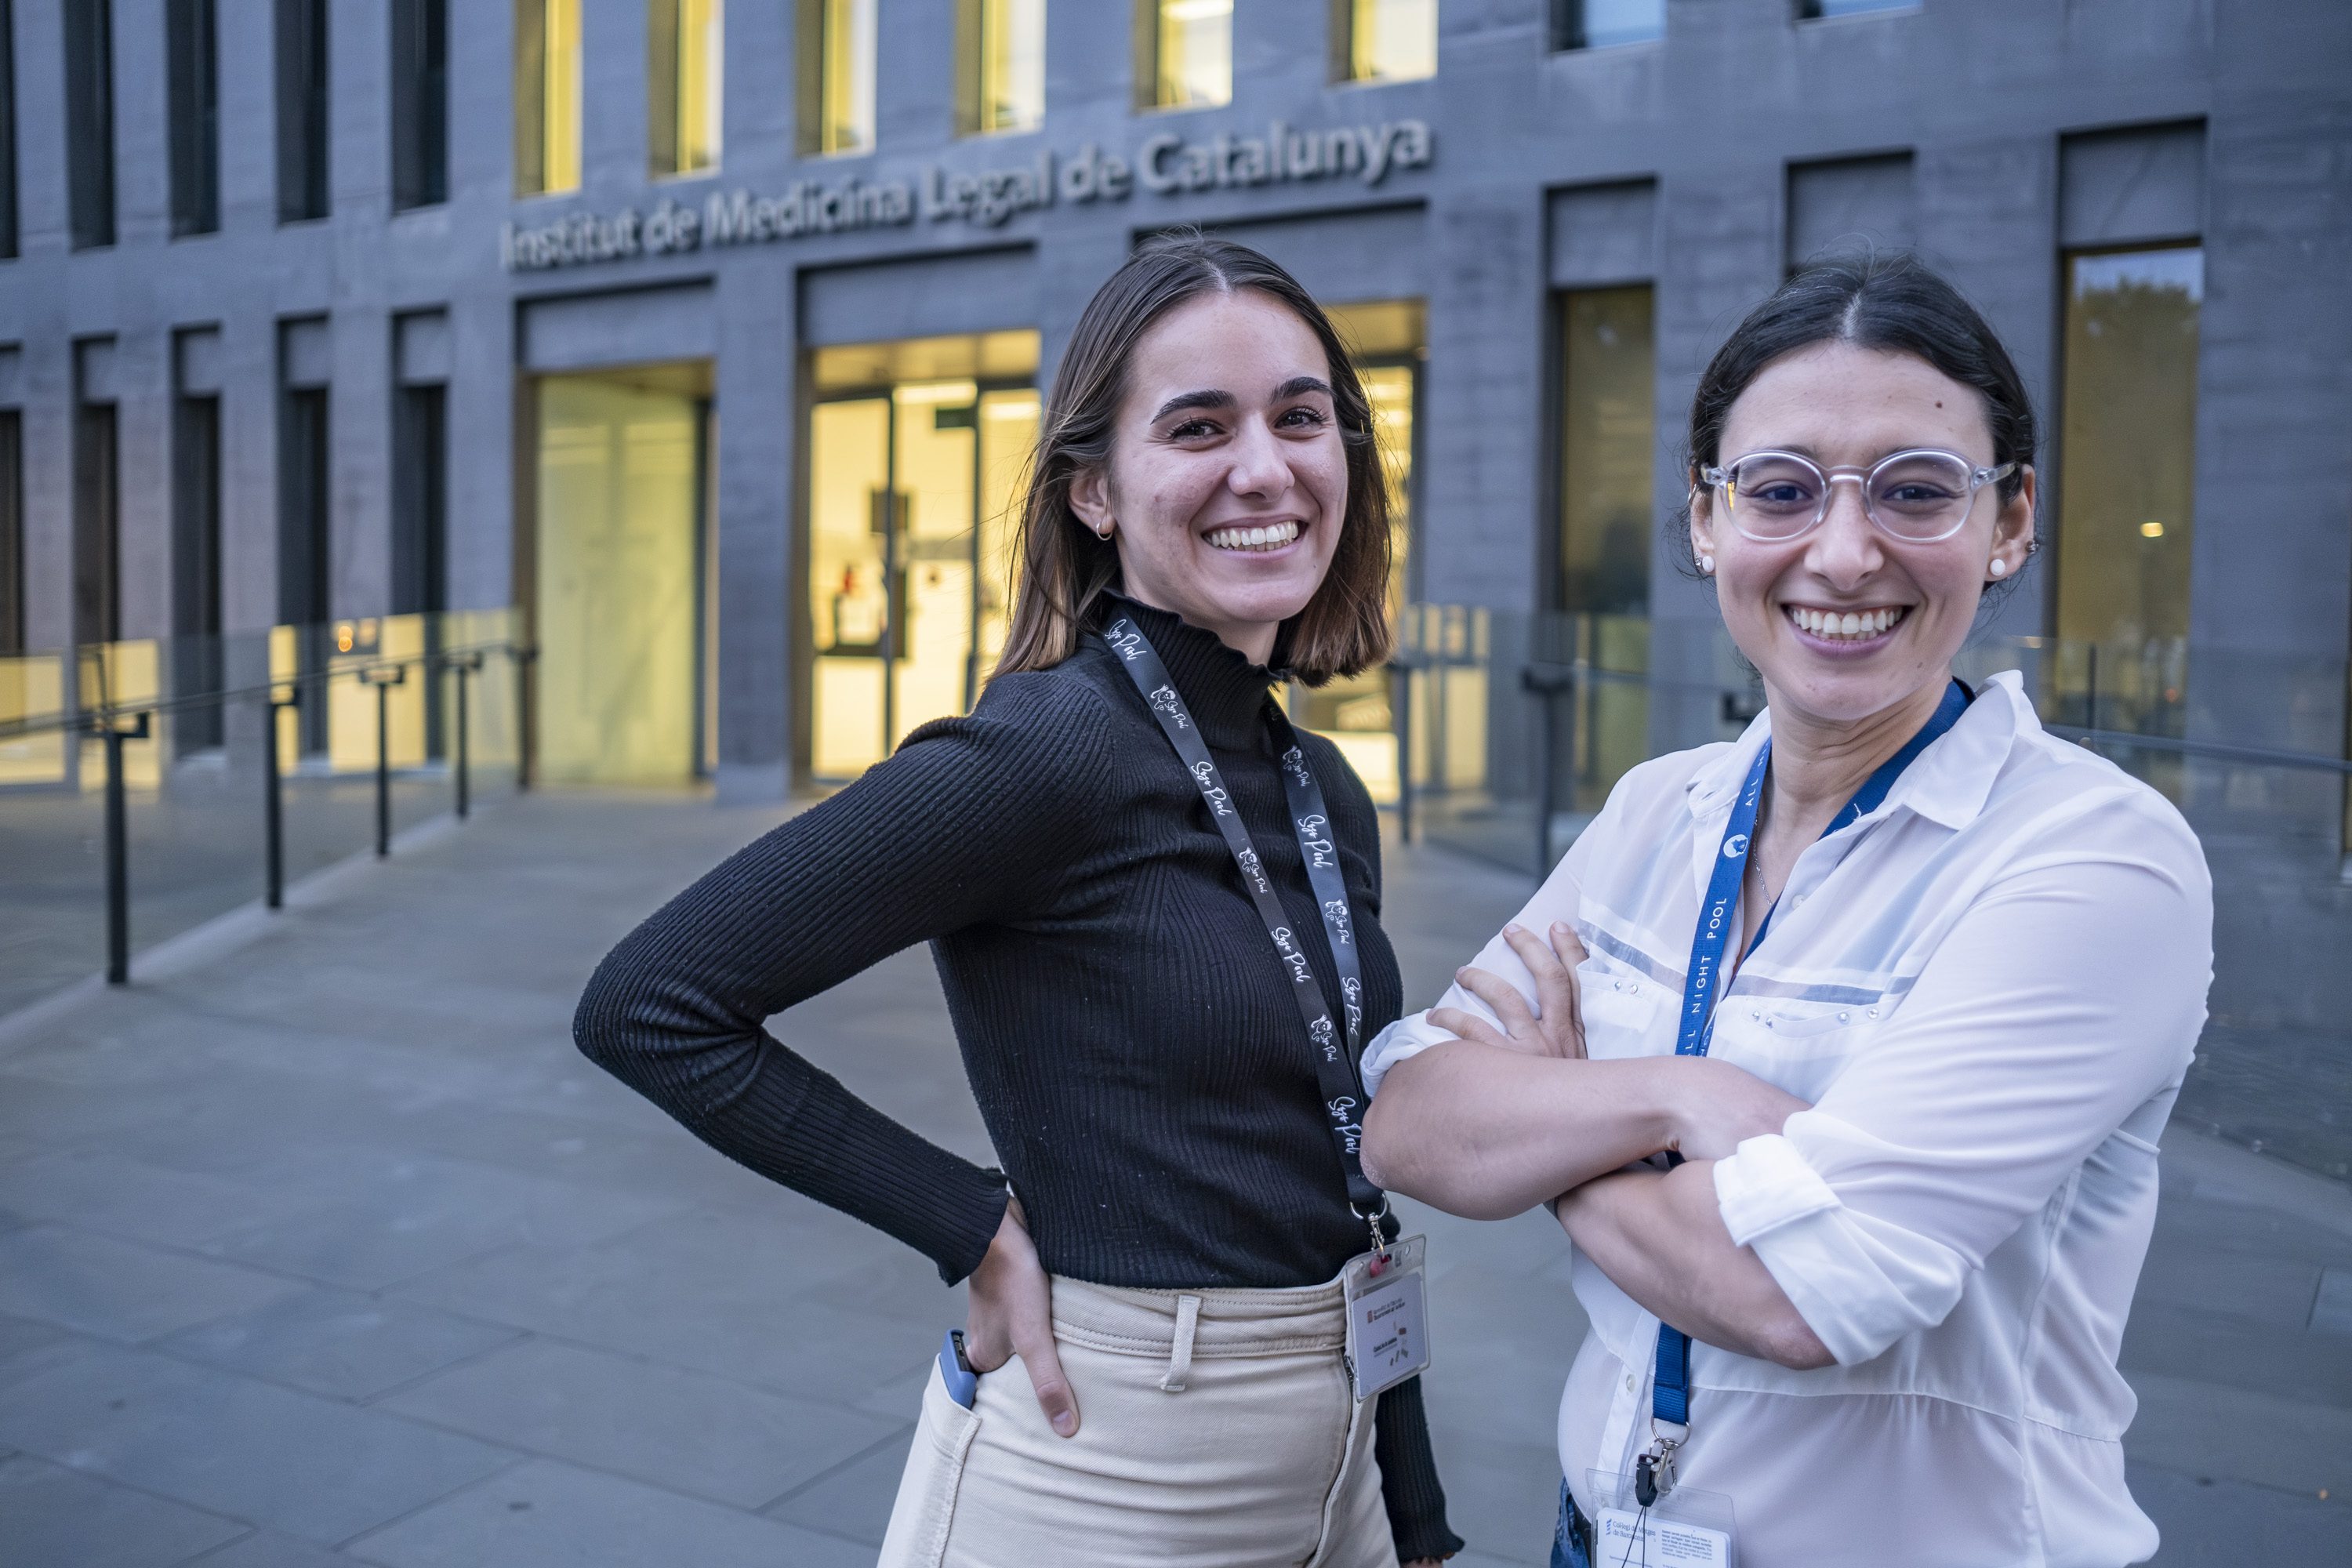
point(962, 1382)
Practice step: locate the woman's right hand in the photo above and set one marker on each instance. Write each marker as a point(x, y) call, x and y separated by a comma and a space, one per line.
point(1716, 1106)
point(1011, 1312)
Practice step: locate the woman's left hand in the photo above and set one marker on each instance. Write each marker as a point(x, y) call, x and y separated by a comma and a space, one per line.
point(1558, 1030)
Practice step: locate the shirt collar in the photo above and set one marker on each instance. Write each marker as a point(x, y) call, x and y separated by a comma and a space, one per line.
point(1948, 783)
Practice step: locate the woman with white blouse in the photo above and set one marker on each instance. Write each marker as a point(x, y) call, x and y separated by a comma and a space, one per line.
point(1889, 999)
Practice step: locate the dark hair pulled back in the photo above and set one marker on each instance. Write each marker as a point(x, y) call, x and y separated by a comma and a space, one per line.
point(1888, 300)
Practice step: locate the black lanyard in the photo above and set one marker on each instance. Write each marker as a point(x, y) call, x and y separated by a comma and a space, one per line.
point(1334, 1060)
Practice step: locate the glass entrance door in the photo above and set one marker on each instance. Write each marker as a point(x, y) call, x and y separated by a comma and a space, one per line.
point(915, 450)
point(622, 576)
point(1387, 337)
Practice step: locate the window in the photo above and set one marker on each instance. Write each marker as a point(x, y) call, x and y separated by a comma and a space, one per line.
point(547, 96)
point(420, 512)
point(685, 47)
point(196, 565)
point(12, 527)
point(420, 103)
point(90, 123)
point(999, 65)
point(303, 593)
point(1816, 10)
point(97, 527)
point(1383, 41)
point(2127, 478)
point(301, 109)
point(192, 89)
point(1184, 53)
point(1599, 24)
point(7, 138)
point(836, 75)
point(1607, 450)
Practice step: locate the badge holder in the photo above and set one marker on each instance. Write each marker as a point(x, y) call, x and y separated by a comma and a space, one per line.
point(1388, 1316)
point(1677, 1527)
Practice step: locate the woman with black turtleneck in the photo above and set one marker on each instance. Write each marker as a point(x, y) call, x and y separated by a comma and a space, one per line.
point(1164, 1262)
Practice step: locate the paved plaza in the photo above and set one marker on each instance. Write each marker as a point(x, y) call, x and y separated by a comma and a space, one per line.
point(320, 1244)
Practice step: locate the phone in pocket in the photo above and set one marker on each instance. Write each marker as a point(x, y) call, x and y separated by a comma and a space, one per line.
point(955, 1371)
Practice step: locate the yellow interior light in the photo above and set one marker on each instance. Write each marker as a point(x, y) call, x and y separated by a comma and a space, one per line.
point(2151, 530)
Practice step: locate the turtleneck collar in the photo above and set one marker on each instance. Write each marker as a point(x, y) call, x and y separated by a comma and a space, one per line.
point(1226, 692)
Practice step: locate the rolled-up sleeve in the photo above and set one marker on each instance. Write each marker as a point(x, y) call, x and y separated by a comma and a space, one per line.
point(2069, 993)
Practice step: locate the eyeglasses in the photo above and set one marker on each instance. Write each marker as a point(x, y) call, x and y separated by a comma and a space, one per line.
point(1919, 496)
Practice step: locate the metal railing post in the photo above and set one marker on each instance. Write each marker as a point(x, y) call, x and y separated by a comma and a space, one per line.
point(118, 851)
point(1545, 683)
point(464, 664)
point(273, 806)
point(523, 657)
point(383, 677)
point(1401, 721)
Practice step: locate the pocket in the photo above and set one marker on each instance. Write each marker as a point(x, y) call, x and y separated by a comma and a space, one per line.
point(1618, 1009)
point(925, 1509)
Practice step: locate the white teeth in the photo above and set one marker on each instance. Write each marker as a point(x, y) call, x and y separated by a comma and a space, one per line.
point(1853, 623)
point(1267, 538)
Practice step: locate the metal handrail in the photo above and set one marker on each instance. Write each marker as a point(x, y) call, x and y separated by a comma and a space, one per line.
point(94, 719)
point(2219, 750)
point(116, 722)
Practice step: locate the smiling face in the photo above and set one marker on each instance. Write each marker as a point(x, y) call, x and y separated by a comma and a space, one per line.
point(1846, 622)
point(1227, 482)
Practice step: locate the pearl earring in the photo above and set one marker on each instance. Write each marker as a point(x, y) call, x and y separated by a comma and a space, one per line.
point(1706, 564)
point(1999, 568)
point(1104, 532)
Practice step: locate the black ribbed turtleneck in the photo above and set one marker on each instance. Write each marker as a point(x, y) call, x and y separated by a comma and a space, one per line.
point(1128, 1033)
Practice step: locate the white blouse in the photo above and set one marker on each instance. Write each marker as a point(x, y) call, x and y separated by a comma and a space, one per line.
point(1988, 988)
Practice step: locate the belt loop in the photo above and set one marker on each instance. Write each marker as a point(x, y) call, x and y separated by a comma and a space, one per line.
point(1180, 1356)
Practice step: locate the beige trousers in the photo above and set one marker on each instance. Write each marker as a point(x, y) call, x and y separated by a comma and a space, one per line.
point(1217, 1429)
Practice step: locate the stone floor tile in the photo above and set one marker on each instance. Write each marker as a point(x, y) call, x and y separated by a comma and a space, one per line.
point(101, 1189)
point(687, 1431)
point(547, 1514)
point(2201, 1429)
point(336, 1343)
point(2205, 1523)
point(121, 1289)
point(309, 1466)
point(268, 1549)
point(401, 1214)
point(2230, 1350)
point(852, 1500)
point(50, 1515)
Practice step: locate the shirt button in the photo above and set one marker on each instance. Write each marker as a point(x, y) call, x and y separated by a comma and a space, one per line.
point(1632, 1382)
point(1845, 1017)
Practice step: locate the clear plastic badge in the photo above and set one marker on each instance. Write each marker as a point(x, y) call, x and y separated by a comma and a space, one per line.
point(1388, 1316)
point(1683, 1529)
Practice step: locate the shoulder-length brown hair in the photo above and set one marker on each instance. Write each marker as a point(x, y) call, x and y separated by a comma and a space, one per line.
point(1063, 567)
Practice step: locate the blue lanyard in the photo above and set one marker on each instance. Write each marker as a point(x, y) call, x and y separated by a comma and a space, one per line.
point(1670, 1391)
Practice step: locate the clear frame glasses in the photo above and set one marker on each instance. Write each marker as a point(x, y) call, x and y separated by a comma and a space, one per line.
point(1918, 496)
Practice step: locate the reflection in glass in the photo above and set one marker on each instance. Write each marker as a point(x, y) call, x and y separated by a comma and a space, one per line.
point(1188, 47)
point(620, 513)
point(1387, 40)
point(547, 96)
point(1000, 45)
point(2127, 483)
point(1599, 24)
point(836, 75)
point(1607, 456)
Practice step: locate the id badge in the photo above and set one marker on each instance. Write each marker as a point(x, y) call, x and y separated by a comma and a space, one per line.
point(1683, 1529)
point(1388, 1317)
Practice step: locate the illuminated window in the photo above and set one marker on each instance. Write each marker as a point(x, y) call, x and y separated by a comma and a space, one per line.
point(2127, 478)
point(836, 75)
point(1184, 53)
point(1383, 41)
point(1599, 24)
point(1816, 10)
point(547, 96)
point(685, 65)
point(1000, 73)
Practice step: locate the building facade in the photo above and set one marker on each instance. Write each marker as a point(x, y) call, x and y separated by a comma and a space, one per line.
point(712, 335)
